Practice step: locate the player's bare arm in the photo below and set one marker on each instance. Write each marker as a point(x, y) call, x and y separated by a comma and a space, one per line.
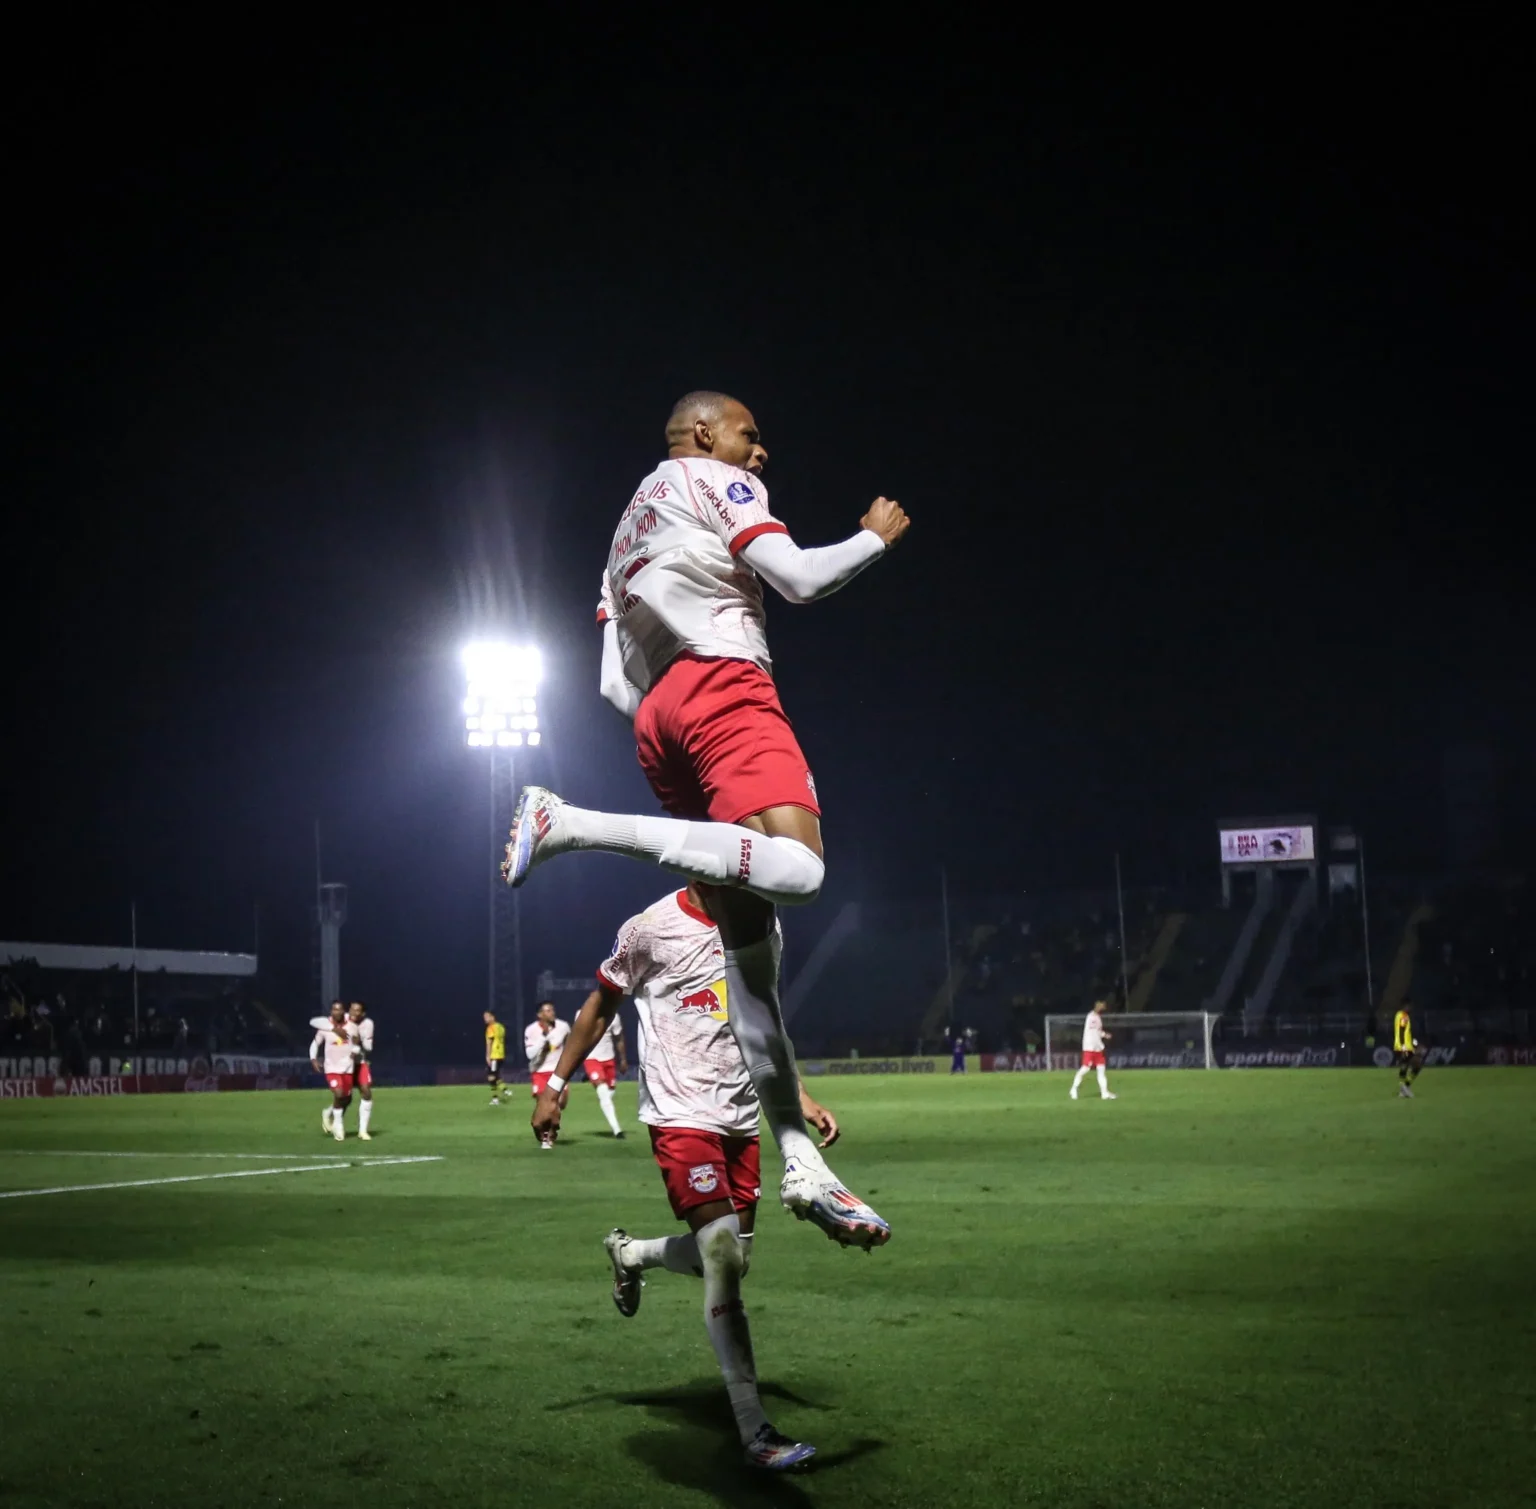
point(586, 1031)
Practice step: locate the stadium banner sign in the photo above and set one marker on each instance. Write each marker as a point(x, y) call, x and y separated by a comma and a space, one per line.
point(1261, 1053)
point(63, 1086)
point(1023, 1063)
point(933, 1065)
point(1268, 846)
point(246, 1063)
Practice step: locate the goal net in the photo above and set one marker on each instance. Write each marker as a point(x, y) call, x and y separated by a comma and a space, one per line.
point(1136, 1040)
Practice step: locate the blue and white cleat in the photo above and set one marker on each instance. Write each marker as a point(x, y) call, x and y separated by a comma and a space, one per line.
point(776, 1453)
point(627, 1282)
point(535, 825)
point(815, 1195)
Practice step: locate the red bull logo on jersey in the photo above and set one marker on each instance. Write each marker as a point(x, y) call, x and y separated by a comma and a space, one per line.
point(711, 1000)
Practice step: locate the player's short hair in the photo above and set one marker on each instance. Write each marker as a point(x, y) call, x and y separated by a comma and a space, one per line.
point(702, 403)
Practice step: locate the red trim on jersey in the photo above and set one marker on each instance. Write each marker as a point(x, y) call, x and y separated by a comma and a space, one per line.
point(602, 615)
point(745, 538)
point(604, 983)
point(690, 910)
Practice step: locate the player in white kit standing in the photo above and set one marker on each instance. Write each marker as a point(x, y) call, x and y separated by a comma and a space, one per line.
point(362, 1071)
point(685, 656)
point(334, 1046)
point(697, 1099)
point(543, 1039)
point(605, 1061)
point(1094, 1038)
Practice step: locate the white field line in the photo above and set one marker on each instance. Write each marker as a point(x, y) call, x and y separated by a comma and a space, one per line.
point(50, 1152)
point(239, 1173)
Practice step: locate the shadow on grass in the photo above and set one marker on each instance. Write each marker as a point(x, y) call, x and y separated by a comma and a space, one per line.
point(700, 1451)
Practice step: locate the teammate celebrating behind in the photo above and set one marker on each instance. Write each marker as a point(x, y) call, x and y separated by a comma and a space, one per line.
point(602, 1070)
point(542, 1042)
point(698, 1101)
point(1094, 1038)
point(362, 1052)
point(685, 657)
point(335, 1040)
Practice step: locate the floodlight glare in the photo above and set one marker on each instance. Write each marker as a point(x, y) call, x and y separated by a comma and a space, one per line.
point(533, 739)
point(502, 692)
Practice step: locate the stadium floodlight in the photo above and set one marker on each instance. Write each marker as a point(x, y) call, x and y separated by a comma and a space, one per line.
point(501, 716)
point(501, 702)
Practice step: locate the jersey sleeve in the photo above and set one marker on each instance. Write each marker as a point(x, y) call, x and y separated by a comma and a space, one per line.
point(732, 502)
point(316, 1047)
point(605, 601)
point(626, 968)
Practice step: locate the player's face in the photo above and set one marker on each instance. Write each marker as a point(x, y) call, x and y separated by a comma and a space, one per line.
point(489, 1018)
point(338, 1012)
point(734, 439)
point(547, 1015)
point(358, 1011)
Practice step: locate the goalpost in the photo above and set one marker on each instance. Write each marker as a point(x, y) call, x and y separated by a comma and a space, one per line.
point(1137, 1040)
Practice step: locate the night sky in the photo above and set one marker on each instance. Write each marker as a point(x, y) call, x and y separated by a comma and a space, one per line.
point(1208, 393)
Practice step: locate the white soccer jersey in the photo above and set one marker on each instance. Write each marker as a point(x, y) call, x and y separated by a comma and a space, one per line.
point(363, 1045)
point(543, 1048)
point(674, 581)
point(691, 1071)
point(604, 1049)
point(338, 1045)
point(1093, 1033)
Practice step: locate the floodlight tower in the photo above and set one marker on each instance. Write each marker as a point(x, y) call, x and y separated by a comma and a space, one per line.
point(501, 716)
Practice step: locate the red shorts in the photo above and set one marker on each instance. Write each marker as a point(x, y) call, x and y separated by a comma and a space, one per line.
point(364, 1077)
point(341, 1084)
point(698, 1167)
point(602, 1071)
point(1093, 1059)
point(539, 1082)
point(714, 743)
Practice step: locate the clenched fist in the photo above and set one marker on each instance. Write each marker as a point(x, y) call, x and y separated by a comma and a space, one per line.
point(888, 519)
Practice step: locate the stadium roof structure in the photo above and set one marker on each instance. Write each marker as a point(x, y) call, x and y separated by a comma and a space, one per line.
point(174, 961)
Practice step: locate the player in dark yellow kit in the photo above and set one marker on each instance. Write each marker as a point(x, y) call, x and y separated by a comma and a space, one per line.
point(495, 1052)
point(1406, 1052)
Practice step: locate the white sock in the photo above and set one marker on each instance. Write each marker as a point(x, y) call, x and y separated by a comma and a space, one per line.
point(1103, 1080)
point(675, 1254)
point(720, 1248)
point(364, 1115)
point(605, 1101)
point(780, 870)
point(1081, 1073)
point(325, 1117)
point(752, 1012)
point(339, 1123)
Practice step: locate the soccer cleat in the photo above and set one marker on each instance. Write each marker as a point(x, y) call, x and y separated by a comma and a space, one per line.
point(365, 1136)
point(618, 1136)
point(820, 1199)
point(774, 1452)
point(495, 1100)
point(1073, 1092)
point(1407, 1092)
point(1107, 1095)
point(627, 1282)
point(547, 1144)
point(535, 833)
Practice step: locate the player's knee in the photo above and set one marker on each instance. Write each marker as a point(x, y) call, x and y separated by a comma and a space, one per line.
point(793, 874)
point(720, 1249)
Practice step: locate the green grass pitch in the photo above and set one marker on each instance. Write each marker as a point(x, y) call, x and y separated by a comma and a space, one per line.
point(1242, 1288)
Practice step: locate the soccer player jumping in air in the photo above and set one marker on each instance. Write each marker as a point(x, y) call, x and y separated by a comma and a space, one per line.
point(698, 1102)
point(685, 656)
